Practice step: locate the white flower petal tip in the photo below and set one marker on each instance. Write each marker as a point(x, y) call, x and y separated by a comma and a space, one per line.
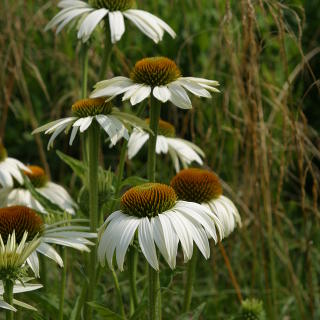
point(87, 18)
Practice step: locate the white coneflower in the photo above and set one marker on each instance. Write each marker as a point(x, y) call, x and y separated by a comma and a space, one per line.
point(180, 150)
point(9, 169)
point(203, 187)
point(160, 220)
point(50, 190)
point(112, 11)
point(88, 111)
point(18, 287)
point(157, 76)
point(27, 228)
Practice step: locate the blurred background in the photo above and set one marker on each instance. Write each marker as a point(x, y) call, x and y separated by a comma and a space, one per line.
point(261, 134)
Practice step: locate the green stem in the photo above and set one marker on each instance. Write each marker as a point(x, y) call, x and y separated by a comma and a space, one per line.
point(132, 269)
point(154, 282)
point(155, 109)
point(190, 280)
point(93, 148)
point(8, 297)
point(154, 307)
point(63, 283)
point(84, 63)
point(108, 46)
point(119, 295)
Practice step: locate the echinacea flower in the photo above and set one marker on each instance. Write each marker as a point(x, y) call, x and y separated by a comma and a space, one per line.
point(159, 77)
point(18, 287)
point(9, 169)
point(20, 224)
point(180, 150)
point(203, 187)
point(89, 111)
point(152, 211)
point(50, 190)
point(90, 15)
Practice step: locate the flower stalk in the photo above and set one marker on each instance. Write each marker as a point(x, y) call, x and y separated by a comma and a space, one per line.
point(93, 139)
point(154, 282)
point(8, 297)
point(63, 283)
point(132, 270)
point(191, 272)
point(84, 65)
point(119, 295)
point(108, 47)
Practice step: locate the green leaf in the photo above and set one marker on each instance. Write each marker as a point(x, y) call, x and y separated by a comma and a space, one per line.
point(106, 313)
point(195, 314)
point(133, 181)
point(45, 202)
point(77, 166)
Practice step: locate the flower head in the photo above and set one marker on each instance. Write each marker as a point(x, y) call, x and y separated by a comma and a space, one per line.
point(89, 111)
point(180, 150)
point(50, 190)
point(89, 16)
point(204, 187)
point(160, 77)
point(152, 209)
point(9, 169)
point(251, 309)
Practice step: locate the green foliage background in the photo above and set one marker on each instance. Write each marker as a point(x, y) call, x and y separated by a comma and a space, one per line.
point(261, 135)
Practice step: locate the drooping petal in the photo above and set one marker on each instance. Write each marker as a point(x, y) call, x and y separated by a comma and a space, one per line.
point(136, 141)
point(50, 252)
point(162, 93)
point(117, 26)
point(140, 94)
point(179, 97)
point(146, 242)
point(90, 23)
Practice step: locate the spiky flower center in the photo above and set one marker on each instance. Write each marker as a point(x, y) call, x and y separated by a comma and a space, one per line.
point(3, 152)
point(148, 200)
point(165, 128)
point(91, 107)
point(252, 309)
point(19, 219)
point(196, 185)
point(37, 176)
point(114, 5)
point(156, 71)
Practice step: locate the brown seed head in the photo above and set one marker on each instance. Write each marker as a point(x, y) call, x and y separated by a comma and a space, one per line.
point(196, 185)
point(148, 200)
point(91, 107)
point(37, 176)
point(156, 71)
point(19, 219)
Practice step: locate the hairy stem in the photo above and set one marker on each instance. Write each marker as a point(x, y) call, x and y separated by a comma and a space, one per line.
point(191, 271)
point(84, 67)
point(132, 269)
point(154, 282)
point(108, 46)
point(63, 283)
point(8, 297)
point(119, 295)
point(93, 148)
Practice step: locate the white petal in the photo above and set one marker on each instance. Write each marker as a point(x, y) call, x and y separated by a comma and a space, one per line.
point(117, 26)
point(33, 262)
point(161, 145)
point(194, 88)
point(136, 141)
point(141, 94)
point(112, 87)
point(146, 242)
point(50, 252)
point(90, 22)
point(126, 238)
point(162, 93)
point(179, 97)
